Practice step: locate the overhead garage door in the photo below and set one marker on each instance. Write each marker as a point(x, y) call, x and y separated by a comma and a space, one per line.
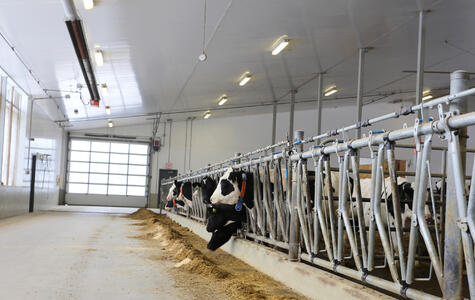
point(107, 173)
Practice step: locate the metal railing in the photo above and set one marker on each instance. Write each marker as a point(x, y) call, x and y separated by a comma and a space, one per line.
point(332, 224)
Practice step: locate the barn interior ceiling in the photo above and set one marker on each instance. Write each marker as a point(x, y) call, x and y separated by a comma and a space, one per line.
point(151, 53)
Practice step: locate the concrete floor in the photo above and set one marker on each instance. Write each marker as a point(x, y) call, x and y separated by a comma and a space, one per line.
point(79, 255)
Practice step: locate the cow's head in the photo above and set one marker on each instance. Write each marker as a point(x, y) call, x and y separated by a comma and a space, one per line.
point(208, 186)
point(220, 214)
point(229, 188)
point(174, 191)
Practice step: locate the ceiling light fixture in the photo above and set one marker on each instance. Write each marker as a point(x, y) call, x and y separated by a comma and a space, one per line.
point(330, 91)
point(105, 90)
point(111, 124)
point(88, 4)
point(99, 58)
point(207, 115)
point(223, 100)
point(244, 79)
point(108, 110)
point(280, 45)
point(426, 95)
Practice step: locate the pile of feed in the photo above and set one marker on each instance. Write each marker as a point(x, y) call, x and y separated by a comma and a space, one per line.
point(233, 277)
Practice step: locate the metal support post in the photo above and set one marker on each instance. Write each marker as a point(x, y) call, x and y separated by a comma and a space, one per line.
point(292, 111)
point(420, 64)
point(274, 122)
point(453, 257)
point(294, 236)
point(359, 93)
point(319, 104)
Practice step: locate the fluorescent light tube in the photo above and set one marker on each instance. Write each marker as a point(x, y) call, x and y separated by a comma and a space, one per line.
point(245, 79)
point(105, 90)
point(427, 97)
point(99, 58)
point(223, 100)
point(280, 45)
point(330, 91)
point(88, 4)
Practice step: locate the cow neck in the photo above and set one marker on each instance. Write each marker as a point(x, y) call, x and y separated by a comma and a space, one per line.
point(238, 206)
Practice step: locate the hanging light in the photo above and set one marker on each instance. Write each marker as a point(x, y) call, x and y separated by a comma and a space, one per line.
point(105, 90)
point(244, 78)
point(330, 91)
point(207, 115)
point(99, 58)
point(111, 124)
point(280, 45)
point(223, 100)
point(88, 4)
point(108, 110)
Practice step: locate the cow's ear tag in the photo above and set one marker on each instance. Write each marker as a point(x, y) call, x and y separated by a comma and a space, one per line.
point(214, 210)
point(238, 206)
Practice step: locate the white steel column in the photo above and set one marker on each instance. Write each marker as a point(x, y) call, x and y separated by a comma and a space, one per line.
point(319, 104)
point(420, 63)
point(3, 95)
point(453, 258)
point(274, 122)
point(292, 110)
point(359, 93)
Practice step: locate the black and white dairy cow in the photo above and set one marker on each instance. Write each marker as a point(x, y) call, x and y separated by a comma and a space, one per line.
point(180, 193)
point(207, 185)
point(227, 210)
point(406, 197)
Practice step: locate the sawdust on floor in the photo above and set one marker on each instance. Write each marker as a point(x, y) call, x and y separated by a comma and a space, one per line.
point(221, 273)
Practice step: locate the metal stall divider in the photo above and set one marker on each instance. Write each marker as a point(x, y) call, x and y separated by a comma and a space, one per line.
point(284, 215)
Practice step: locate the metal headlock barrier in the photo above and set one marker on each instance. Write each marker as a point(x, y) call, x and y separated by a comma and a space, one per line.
point(364, 227)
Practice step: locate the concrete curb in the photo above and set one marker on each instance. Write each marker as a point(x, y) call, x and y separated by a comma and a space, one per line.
point(309, 281)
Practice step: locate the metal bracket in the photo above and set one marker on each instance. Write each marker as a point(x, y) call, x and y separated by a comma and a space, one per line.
point(335, 264)
point(416, 135)
point(404, 287)
point(443, 121)
point(414, 220)
point(364, 275)
point(462, 224)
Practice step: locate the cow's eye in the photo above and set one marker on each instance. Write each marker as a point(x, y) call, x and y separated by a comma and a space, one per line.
point(226, 187)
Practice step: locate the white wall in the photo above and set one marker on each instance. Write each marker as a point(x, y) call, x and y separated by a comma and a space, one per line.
point(14, 200)
point(217, 139)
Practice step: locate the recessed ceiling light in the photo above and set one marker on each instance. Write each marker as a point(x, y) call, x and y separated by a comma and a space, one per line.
point(245, 79)
point(111, 124)
point(105, 90)
point(330, 91)
point(280, 45)
point(99, 58)
point(207, 115)
point(88, 4)
point(108, 110)
point(223, 99)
